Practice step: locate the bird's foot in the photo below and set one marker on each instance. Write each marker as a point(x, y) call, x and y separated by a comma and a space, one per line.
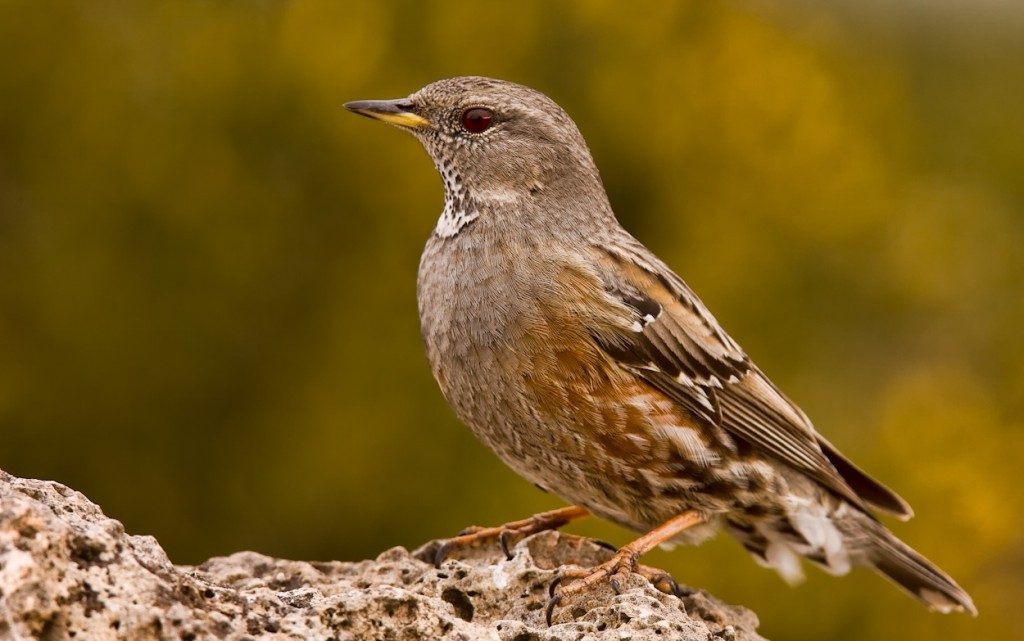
point(615, 570)
point(572, 582)
point(623, 563)
point(509, 532)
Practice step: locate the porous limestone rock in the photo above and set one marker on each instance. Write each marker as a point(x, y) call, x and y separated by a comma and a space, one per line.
point(67, 572)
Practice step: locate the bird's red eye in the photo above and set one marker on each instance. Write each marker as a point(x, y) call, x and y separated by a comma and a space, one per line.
point(477, 119)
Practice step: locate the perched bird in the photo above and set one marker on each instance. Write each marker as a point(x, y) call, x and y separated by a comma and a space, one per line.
point(593, 370)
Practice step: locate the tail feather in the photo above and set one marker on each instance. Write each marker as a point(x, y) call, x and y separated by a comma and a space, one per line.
point(915, 574)
point(839, 536)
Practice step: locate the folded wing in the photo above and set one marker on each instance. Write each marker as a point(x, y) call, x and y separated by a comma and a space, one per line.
point(671, 341)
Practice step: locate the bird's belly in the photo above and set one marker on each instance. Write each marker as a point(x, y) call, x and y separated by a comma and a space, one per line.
point(586, 431)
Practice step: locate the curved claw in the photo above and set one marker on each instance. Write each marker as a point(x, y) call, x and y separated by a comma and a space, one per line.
point(554, 586)
point(442, 553)
point(661, 580)
point(614, 582)
point(550, 609)
point(503, 539)
point(673, 586)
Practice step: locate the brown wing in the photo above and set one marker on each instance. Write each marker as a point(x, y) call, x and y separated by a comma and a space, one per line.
point(677, 346)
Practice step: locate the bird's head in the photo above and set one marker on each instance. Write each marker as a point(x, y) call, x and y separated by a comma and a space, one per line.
point(494, 141)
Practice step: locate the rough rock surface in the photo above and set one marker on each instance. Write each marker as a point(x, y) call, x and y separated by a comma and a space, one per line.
point(69, 572)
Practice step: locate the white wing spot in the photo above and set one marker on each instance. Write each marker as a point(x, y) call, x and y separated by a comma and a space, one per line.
point(705, 400)
point(683, 379)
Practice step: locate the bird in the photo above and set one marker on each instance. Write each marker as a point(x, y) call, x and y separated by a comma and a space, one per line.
point(593, 371)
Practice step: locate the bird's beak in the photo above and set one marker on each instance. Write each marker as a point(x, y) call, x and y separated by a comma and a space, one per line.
point(399, 112)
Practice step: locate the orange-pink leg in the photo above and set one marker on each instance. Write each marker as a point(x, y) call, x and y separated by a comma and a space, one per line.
point(551, 520)
point(623, 563)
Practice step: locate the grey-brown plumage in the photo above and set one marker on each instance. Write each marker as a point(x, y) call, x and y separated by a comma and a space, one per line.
point(593, 371)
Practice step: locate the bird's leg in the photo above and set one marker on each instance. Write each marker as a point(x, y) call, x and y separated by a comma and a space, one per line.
point(623, 563)
point(551, 520)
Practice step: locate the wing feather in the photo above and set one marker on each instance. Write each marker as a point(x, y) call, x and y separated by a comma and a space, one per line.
point(678, 347)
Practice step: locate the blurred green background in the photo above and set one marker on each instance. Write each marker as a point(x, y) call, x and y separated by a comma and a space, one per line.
point(207, 267)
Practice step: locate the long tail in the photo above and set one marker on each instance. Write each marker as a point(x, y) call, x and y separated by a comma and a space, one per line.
point(915, 574)
point(837, 536)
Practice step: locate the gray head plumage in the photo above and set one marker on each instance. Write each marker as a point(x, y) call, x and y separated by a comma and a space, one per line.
point(526, 145)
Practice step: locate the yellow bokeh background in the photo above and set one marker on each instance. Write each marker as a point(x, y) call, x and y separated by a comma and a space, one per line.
point(207, 267)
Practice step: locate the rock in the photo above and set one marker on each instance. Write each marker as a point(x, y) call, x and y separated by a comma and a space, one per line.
point(69, 572)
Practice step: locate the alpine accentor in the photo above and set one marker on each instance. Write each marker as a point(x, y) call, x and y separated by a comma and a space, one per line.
point(593, 371)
